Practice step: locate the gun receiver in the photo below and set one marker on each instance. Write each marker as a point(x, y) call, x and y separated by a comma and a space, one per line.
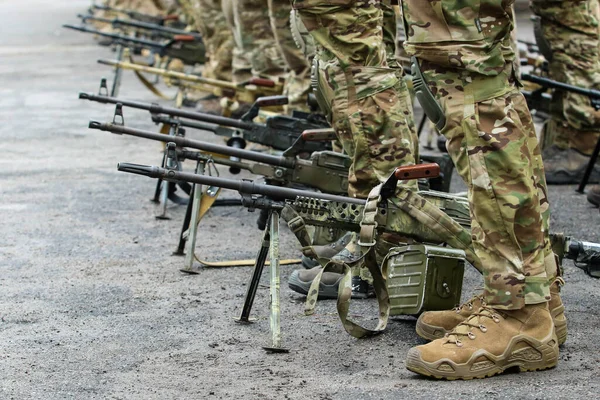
point(176, 47)
point(164, 31)
point(280, 132)
point(326, 171)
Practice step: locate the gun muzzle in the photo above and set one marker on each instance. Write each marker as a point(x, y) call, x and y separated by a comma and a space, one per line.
point(139, 169)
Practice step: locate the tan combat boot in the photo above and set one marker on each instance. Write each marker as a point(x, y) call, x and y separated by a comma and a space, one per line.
point(489, 342)
point(567, 166)
point(433, 325)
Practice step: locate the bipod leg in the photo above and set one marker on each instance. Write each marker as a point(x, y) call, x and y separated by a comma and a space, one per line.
point(275, 286)
point(184, 227)
point(114, 91)
point(193, 224)
point(254, 281)
point(589, 169)
point(156, 197)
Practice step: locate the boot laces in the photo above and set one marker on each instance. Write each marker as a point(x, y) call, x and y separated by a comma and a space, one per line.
point(469, 304)
point(476, 321)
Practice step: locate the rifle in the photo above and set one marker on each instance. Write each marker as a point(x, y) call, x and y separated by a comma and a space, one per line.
point(427, 217)
point(187, 48)
point(247, 91)
point(138, 16)
point(155, 29)
point(592, 94)
point(279, 132)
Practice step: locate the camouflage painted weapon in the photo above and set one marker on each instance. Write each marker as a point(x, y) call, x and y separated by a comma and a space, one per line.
point(414, 274)
point(187, 48)
point(153, 30)
point(246, 92)
point(138, 16)
point(279, 132)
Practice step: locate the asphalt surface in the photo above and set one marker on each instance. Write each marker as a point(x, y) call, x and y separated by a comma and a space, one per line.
point(92, 304)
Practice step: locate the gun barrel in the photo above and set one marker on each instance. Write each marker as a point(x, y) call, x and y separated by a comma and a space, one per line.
point(243, 187)
point(139, 24)
point(175, 112)
point(197, 144)
point(171, 74)
point(116, 37)
point(591, 93)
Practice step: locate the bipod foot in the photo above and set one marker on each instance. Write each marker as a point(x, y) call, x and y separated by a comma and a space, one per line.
point(162, 217)
point(190, 271)
point(276, 349)
point(178, 253)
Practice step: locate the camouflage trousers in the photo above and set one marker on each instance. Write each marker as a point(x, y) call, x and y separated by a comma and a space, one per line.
point(209, 19)
point(367, 101)
point(467, 61)
point(572, 30)
point(297, 76)
point(255, 52)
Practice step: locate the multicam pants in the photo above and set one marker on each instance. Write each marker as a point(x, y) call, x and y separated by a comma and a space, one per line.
point(209, 19)
point(572, 29)
point(464, 51)
point(371, 110)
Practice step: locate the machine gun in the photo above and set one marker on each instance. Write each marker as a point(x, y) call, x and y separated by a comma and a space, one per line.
point(138, 16)
point(187, 48)
point(153, 30)
point(279, 132)
point(426, 217)
point(246, 92)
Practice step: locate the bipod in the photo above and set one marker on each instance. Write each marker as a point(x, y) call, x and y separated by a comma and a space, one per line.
point(589, 169)
point(269, 247)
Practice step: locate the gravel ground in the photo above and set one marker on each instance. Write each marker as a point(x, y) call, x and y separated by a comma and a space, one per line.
point(92, 304)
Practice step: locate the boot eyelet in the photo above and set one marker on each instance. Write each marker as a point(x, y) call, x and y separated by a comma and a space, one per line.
point(459, 343)
point(482, 328)
point(471, 335)
point(495, 318)
point(470, 306)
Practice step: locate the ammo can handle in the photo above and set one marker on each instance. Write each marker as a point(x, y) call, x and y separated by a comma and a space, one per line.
point(319, 135)
point(418, 171)
point(263, 82)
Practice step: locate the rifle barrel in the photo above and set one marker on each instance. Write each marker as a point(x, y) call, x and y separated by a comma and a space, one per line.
point(197, 144)
point(171, 74)
point(116, 37)
point(139, 24)
point(244, 187)
point(175, 112)
point(591, 93)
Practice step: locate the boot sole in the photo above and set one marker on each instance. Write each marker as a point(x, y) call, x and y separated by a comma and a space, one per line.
point(537, 356)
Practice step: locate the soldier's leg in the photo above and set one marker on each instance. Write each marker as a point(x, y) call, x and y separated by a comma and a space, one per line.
point(365, 98)
point(464, 54)
point(210, 21)
point(370, 106)
point(570, 31)
point(297, 78)
point(256, 53)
